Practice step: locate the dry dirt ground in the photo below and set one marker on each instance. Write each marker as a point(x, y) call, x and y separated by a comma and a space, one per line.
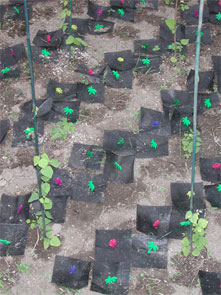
point(120, 111)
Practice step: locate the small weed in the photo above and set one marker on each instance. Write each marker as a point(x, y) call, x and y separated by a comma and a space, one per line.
point(23, 267)
point(187, 143)
point(62, 130)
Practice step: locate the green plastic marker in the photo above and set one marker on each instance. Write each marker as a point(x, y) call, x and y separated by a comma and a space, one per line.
point(5, 242)
point(185, 223)
point(16, 9)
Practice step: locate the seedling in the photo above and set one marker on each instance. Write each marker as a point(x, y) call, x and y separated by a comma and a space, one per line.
point(185, 223)
point(91, 186)
point(118, 166)
point(145, 46)
point(121, 12)
point(67, 111)
point(16, 10)
point(116, 75)
point(176, 101)
point(98, 27)
point(23, 267)
point(45, 52)
point(72, 269)
point(207, 103)
point(153, 144)
point(219, 188)
point(62, 129)
point(74, 28)
point(146, 61)
point(5, 242)
point(120, 59)
point(59, 90)
point(152, 246)
point(187, 143)
point(186, 121)
point(28, 131)
point(155, 124)
point(156, 48)
point(5, 70)
point(91, 90)
point(121, 141)
point(110, 280)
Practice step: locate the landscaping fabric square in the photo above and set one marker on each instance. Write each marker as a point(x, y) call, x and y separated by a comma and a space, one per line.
point(39, 58)
point(103, 270)
point(2, 12)
point(207, 101)
point(123, 79)
point(206, 80)
point(190, 33)
point(99, 27)
point(217, 68)
point(151, 46)
point(208, 173)
point(128, 14)
point(22, 1)
point(83, 92)
point(175, 229)
point(11, 55)
point(126, 4)
point(41, 39)
point(81, 26)
point(70, 272)
point(147, 216)
point(154, 122)
point(210, 282)
point(145, 145)
point(19, 136)
point(87, 157)
point(14, 209)
point(119, 142)
point(120, 252)
point(80, 187)
point(94, 74)
point(180, 198)
point(213, 6)
point(4, 127)
point(167, 35)
point(128, 63)
point(213, 19)
point(68, 90)
point(154, 259)
point(98, 12)
point(13, 73)
point(65, 189)
point(152, 67)
point(213, 195)
point(123, 174)
point(14, 15)
point(16, 234)
point(191, 15)
point(177, 125)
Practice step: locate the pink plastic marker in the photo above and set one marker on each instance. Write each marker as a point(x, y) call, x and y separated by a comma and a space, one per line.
point(99, 11)
point(19, 209)
point(12, 51)
point(156, 223)
point(219, 3)
point(196, 13)
point(48, 38)
point(113, 243)
point(216, 166)
point(90, 72)
point(58, 181)
point(122, 2)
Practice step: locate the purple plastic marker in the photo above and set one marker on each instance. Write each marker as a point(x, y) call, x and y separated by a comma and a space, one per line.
point(72, 269)
point(19, 209)
point(155, 124)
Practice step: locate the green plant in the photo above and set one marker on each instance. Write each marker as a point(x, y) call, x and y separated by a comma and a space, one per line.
point(62, 130)
point(198, 239)
point(171, 24)
point(156, 48)
point(183, 6)
point(23, 267)
point(187, 143)
point(179, 47)
point(44, 164)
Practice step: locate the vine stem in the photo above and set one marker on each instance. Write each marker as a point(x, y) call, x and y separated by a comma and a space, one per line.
point(175, 27)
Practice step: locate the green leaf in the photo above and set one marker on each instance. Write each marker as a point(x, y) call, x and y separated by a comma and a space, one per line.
point(203, 241)
point(48, 228)
point(196, 252)
point(28, 221)
point(43, 163)
point(185, 242)
point(34, 197)
point(54, 163)
point(202, 222)
point(70, 40)
point(49, 234)
point(188, 215)
point(194, 218)
point(173, 59)
point(55, 242)
point(36, 160)
point(171, 24)
point(45, 156)
point(48, 172)
point(49, 205)
point(45, 179)
point(68, 13)
point(184, 41)
point(48, 215)
point(46, 243)
point(45, 188)
point(186, 251)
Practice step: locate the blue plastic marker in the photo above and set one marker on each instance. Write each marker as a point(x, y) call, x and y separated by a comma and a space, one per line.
point(72, 269)
point(155, 123)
